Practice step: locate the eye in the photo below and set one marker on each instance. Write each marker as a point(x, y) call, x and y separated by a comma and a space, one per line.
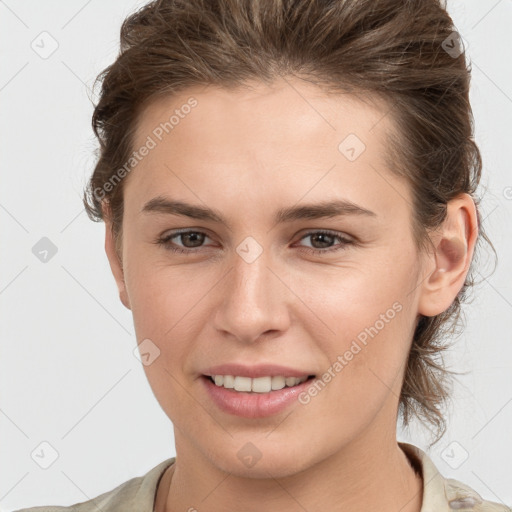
point(325, 237)
point(194, 239)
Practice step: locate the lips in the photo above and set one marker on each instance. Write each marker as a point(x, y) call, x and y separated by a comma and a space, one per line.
point(244, 391)
point(253, 404)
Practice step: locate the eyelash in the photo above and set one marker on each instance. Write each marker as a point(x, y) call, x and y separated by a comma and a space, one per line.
point(165, 242)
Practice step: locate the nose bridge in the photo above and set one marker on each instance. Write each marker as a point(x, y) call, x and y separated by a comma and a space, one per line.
point(251, 303)
point(251, 275)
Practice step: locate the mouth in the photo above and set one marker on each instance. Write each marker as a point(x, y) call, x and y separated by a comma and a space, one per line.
point(255, 391)
point(264, 384)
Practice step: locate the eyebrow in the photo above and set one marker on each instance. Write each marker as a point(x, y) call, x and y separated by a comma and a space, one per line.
point(324, 209)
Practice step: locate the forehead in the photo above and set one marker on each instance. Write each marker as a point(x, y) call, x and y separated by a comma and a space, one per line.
point(287, 136)
point(265, 109)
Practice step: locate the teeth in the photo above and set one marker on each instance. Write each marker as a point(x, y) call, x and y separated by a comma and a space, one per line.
point(229, 381)
point(291, 381)
point(242, 383)
point(278, 383)
point(258, 384)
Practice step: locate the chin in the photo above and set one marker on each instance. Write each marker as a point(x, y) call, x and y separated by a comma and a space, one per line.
point(261, 459)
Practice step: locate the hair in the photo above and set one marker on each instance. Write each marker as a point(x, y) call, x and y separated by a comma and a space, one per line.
point(395, 50)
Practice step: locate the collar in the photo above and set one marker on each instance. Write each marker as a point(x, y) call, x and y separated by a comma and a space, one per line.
point(442, 494)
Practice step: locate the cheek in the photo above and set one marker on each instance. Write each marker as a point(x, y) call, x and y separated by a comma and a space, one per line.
point(363, 321)
point(350, 297)
point(164, 307)
point(162, 297)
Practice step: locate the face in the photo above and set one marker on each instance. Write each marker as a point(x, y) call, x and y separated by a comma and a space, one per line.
point(333, 296)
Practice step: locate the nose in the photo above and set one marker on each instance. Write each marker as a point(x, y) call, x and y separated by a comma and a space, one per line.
point(254, 300)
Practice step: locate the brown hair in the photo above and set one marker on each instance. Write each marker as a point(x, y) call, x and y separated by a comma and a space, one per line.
point(399, 50)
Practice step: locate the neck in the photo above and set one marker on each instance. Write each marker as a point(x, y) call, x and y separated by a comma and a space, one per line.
point(355, 478)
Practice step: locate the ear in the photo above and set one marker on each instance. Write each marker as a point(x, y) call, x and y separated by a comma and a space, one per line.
point(448, 265)
point(115, 262)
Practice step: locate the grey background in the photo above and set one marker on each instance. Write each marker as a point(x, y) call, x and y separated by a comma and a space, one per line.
point(68, 376)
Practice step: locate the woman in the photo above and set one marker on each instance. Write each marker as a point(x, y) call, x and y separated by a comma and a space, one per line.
point(289, 192)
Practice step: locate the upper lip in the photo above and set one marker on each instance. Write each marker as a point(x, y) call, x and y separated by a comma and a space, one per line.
point(260, 370)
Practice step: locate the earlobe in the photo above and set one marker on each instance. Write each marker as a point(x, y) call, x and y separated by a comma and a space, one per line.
point(449, 264)
point(115, 264)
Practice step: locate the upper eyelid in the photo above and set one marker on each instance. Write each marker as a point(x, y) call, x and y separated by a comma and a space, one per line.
point(309, 232)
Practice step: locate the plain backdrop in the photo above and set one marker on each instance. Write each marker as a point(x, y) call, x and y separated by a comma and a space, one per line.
point(68, 375)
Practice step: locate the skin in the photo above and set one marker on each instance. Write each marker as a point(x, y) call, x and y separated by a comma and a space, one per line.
point(246, 153)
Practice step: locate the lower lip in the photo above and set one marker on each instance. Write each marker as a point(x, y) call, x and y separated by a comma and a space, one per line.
point(254, 405)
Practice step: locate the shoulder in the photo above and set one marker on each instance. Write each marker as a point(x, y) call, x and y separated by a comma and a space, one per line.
point(138, 491)
point(461, 496)
point(446, 494)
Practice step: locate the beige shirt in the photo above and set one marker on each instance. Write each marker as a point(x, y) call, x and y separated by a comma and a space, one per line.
point(440, 494)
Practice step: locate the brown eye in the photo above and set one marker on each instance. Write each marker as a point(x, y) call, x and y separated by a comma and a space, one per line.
point(194, 238)
point(189, 240)
point(322, 242)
